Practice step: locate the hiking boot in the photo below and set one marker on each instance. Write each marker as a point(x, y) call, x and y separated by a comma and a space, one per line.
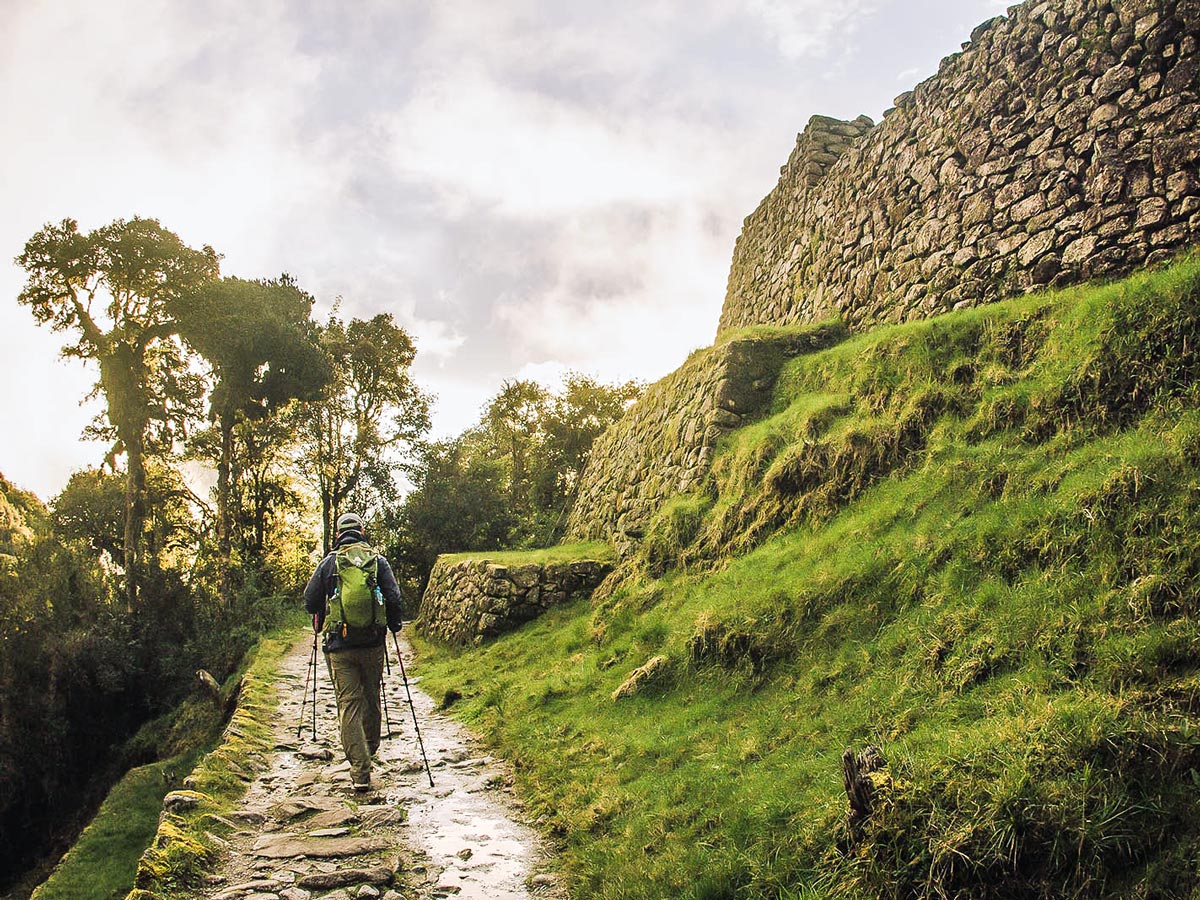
point(362, 783)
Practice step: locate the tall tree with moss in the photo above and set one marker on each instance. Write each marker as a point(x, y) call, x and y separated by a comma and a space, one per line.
point(371, 416)
point(114, 291)
point(261, 342)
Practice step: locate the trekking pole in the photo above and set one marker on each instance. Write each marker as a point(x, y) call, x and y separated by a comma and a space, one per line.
point(308, 674)
point(313, 685)
point(314, 673)
point(387, 716)
point(408, 693)
point(310, 677)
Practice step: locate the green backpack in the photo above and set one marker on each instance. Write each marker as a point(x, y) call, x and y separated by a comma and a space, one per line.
point(356, 610)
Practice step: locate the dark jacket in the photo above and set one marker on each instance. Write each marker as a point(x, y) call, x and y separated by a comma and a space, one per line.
point(324, 580)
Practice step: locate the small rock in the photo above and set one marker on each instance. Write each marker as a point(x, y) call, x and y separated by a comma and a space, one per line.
point(248, 818)
point(465, 853)
point(334, 818)
point(368, 892)
point(239, 891)
point(541, 880)
point(182, 801)
point(652, 671)
point(313, 752)
point(295, 893)
point(344, 877)
point(299, 806)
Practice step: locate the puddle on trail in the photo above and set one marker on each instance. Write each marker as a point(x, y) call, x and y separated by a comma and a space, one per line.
point(462, 838)
point(465, 824)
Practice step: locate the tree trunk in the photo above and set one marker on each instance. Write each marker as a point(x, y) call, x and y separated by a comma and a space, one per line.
point(135, 514)
point(224, 526)
point(326, 521)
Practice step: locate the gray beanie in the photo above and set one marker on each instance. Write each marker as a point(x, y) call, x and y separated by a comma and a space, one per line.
point(348, 521)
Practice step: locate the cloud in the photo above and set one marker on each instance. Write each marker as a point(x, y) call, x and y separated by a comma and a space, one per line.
point(624, 301)
point(803, 28)
point(484, 143)
point(526, 186)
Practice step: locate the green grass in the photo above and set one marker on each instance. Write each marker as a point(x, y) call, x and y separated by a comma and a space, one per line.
point(972, 542)
point(183, 848)
point(596, 550)
point(126, 843)
point(102, 863)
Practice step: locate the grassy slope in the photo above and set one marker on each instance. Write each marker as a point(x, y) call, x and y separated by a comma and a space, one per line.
point(971, 542)
point(104, 860)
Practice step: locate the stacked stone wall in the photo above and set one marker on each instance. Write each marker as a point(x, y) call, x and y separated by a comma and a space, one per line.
point(664, 445)
point(468, 601)
point(1060, 145)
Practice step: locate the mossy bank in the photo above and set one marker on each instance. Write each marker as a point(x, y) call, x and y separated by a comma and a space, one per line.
point(970, 542)
point(132, 839)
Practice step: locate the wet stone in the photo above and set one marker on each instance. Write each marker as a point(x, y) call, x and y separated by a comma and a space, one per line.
point(294, 825)
point(238, 891)
point(334, 818)
point(285, 845)
point(299, 806)
point(345, 877)
point(313, 752)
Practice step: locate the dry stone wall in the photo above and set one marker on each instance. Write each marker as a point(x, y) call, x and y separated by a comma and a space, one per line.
point(1061, 144)
point(468, 601)
point(664, 445)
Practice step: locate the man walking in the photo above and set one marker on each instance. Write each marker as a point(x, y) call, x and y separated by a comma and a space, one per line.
point(354, 599)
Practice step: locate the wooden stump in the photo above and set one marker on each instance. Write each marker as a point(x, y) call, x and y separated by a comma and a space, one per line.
point(860, 789)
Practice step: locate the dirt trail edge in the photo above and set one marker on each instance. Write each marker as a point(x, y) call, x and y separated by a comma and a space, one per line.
point(302, 833)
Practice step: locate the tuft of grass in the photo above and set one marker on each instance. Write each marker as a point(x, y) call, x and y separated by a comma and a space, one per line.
point(972, 542)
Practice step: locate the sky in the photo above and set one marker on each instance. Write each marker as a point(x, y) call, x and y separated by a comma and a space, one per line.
point(530, 188)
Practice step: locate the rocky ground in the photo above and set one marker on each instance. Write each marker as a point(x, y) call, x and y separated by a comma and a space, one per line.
point(302, 833)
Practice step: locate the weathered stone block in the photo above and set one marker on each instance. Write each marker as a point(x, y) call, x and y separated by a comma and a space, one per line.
point(461, 604)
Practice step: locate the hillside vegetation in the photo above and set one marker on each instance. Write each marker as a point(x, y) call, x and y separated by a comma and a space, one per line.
point(970, 542)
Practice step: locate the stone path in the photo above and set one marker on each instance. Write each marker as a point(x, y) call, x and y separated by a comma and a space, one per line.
point(302, 833)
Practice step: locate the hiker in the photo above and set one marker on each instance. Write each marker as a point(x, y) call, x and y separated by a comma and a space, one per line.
point(354, 599)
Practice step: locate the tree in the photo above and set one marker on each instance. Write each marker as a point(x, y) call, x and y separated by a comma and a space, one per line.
point(262, 345)
point(513, 419)
point(460, 502)
point(579, 414)
point(114, 290)
point(354, 439)
point(90, 511)
point(511, 479)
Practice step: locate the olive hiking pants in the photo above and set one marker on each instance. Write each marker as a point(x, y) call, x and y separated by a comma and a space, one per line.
point(357, 673)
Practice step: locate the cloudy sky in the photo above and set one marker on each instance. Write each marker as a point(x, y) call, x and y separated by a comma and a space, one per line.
point(528, 186)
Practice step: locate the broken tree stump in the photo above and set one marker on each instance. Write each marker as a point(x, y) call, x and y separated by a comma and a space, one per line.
point(857, 769)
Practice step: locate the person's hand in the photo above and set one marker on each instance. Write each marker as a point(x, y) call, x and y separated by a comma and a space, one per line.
point(395, 629)
point(316, 623)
